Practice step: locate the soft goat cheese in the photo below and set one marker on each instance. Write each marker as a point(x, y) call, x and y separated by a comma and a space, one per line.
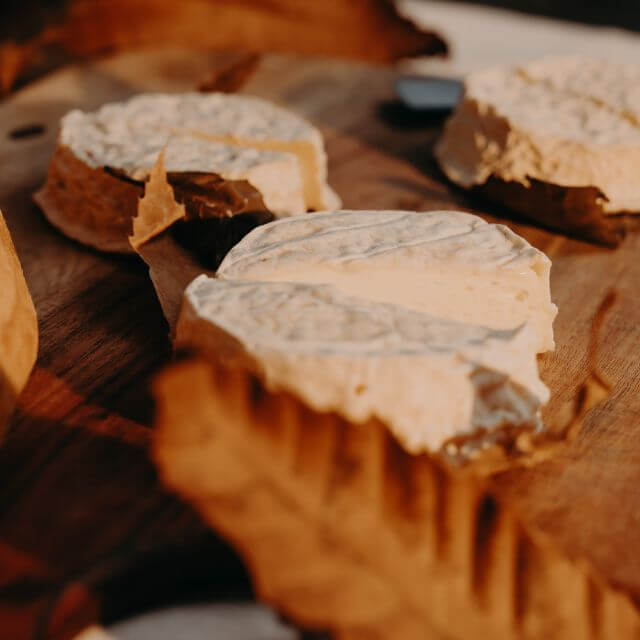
point(449, 264)
point(429, 379)
point(568, 121)
point(235, 136)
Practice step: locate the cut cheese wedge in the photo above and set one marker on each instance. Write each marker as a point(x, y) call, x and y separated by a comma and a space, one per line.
point(95, 175)
point(556, 139)
point(427, 378)
point(449, 264)
point(149, 120)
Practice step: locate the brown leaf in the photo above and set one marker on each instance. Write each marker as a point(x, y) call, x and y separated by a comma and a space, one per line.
point(170, 267)
point(18, 327)
point(344, 530)
point(13, 59)
point(369, 30)
point(186, 223)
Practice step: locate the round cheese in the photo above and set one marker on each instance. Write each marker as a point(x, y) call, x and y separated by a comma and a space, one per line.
point(94, 179)
point(450, 264)
point(567, 121)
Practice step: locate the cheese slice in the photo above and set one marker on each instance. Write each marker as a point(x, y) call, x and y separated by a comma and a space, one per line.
point(427, 378)
point(240, 130)
point(450, 264)
point(568, 121)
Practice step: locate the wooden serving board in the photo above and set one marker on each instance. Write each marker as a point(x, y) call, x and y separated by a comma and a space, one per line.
point(86, 532)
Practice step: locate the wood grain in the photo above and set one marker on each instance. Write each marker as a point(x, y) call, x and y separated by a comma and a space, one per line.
point(80, 500)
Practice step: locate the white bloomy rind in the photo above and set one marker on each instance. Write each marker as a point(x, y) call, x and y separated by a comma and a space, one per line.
point(449, 264)
point(236, 136)
point(569, 121)
point(427, 378)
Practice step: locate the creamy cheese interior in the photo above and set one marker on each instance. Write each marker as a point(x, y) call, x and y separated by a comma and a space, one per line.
point(311, 157)
point(452, 265)
point(428, 378)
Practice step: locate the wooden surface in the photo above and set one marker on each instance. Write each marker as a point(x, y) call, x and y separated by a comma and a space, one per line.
point(84, 525)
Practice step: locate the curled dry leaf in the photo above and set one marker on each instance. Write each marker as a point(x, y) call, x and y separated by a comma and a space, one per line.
point(18, 327)
point(13, 59)
point(157, 209)
point(170, 267)
point(370, 30)
point(344, 530)
point(186, 223)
